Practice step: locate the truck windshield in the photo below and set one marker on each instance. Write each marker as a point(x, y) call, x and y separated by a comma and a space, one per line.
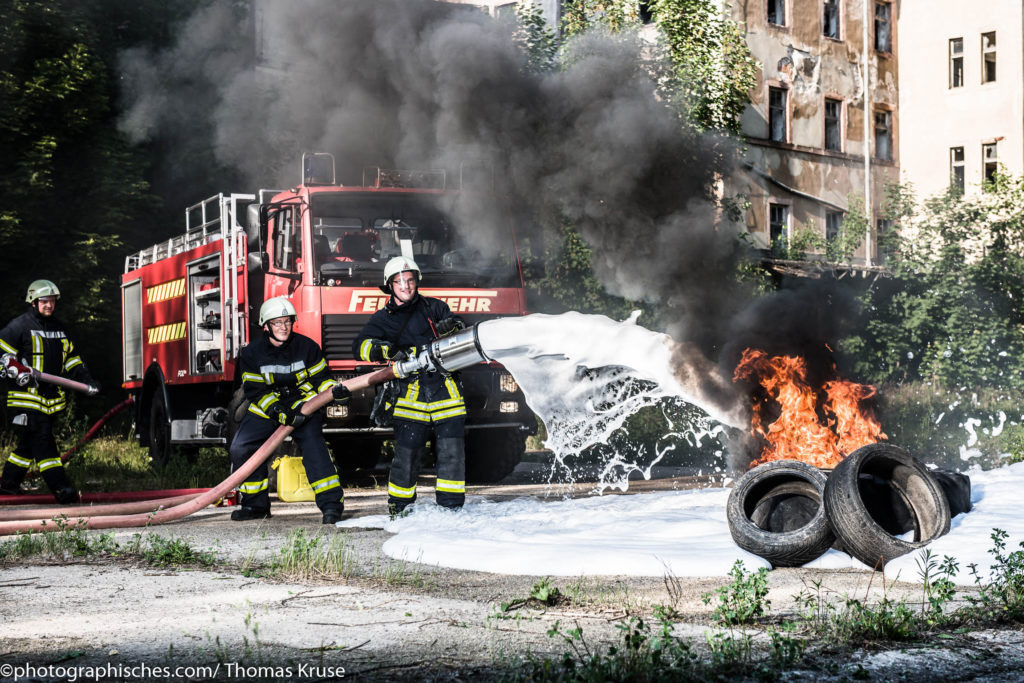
point(354, 235)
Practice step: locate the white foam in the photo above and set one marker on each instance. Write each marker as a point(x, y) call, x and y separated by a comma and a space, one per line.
point(650, 534)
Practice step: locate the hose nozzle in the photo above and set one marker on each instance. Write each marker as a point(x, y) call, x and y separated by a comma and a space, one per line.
point(447, 354)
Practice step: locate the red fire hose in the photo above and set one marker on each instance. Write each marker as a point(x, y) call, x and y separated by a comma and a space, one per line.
point(122, 515)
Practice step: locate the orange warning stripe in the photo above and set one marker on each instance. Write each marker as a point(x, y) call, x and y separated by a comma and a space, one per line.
point(166, 333)
point(165, 291)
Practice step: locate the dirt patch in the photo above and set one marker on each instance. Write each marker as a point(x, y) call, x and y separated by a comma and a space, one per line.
point(386, 618)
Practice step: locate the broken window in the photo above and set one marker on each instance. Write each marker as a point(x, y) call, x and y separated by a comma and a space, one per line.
point(988, 57)
point(990, 161)
point(833, 225)
point(830, 19)
point(777, 123)
point(833, 125)
point(883, 135)
point(956, 62)
point(778, 218)
point(956, 169)
point(777, 12)
point(883, 27)
point(885, 236)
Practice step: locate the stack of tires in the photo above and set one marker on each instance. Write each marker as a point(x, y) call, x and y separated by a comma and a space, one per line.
point(879, 503)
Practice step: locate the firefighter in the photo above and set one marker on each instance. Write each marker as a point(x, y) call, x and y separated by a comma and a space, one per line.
point(280, 371)
point(426, 402)
point(40, 341)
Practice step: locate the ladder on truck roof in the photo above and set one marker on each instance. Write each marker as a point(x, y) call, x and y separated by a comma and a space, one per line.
point(215, 218)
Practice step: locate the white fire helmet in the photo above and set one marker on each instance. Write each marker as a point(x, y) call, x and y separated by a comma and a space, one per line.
point(278, 307)
point(40, 288)
point(397, 265)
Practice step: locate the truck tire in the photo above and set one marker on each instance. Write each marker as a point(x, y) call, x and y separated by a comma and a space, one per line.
point(237, 408)
point(160, 449)
point(775, 511)
point(492, 454)
point(913, 492)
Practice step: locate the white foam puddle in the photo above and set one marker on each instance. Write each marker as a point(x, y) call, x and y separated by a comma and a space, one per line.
point(650, 534)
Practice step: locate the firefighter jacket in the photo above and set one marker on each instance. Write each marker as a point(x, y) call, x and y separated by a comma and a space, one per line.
point(427, 396)
point(282, 377)
point(42, 343)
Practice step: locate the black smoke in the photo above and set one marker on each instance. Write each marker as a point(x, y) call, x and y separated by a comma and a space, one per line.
point(422, 84)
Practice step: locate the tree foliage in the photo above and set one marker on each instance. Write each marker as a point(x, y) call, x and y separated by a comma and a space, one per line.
point(952, 313)
point(73, 191)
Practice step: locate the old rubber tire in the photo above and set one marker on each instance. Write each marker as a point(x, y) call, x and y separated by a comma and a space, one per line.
point(911, 485)
point(775, 511)
point(492, 454)
point(957, 487)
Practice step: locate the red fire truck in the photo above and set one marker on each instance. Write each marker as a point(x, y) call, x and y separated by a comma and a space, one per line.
point(189, 305)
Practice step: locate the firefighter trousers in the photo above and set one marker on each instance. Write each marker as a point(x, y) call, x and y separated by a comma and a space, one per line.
point(316, 459)
point(410, 447)
point(37, 445)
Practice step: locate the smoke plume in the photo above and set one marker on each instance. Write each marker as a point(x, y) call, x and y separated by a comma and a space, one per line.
point(422, 84)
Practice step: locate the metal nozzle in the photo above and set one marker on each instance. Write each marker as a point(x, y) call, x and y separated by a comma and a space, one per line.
point(447, 355)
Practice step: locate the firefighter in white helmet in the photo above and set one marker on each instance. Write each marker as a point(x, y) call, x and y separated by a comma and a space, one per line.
point(281, 371)
point(427, 402)
point(37, 339)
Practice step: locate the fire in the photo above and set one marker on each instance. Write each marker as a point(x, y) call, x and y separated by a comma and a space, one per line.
point(820, 432)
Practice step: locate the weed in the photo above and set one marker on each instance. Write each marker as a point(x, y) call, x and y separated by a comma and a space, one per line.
point(319, 556)
point(174, 552)
point(546, 594)
point(744, 599)
point(1002, 599)
point(937, 588)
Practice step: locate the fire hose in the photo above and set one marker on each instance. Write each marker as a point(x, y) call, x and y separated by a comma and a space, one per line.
point(447, 355)
point(23, 374)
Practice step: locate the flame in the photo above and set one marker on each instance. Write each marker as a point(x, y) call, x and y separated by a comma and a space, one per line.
point(818, 432)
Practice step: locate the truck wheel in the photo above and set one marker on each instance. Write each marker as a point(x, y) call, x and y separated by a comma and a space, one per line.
point(159, 431)
point(492, 454)
point(775, 511)
point(912, 486)
point(355, 453)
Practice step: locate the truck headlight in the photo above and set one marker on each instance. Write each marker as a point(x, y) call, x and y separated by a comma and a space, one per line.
point(509, 407)
point(507, 383)
point(337, 411)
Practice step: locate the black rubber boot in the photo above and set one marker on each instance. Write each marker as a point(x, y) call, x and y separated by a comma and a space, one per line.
point(246, 513)
point(67, 496)
point(332, 515)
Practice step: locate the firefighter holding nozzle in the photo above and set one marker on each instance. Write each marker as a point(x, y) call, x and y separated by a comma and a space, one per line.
point(426, 401)
point(36, 342)
point(281, 371)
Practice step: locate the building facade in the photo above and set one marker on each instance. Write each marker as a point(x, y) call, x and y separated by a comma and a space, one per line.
point(961, 77)
point(822, 128)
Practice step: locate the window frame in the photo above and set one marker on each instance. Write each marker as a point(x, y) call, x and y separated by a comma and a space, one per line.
point(958, 169)
point(887, 48)
point(784, 233)
point(839, 123)
point(956, 64)
point(769, 108)
point(989, 165)
point(837, 6)
point(781, 8)
point(890, 135)
point(986, 51)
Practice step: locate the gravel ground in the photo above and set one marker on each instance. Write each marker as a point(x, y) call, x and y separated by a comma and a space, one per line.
point(387, 619)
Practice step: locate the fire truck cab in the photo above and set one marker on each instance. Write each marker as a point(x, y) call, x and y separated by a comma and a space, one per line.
point(191, 303)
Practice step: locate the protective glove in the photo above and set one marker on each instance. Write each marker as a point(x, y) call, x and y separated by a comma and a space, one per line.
point(296, 419)
point(284, 417)
point(449, 325)
point(341, 394)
